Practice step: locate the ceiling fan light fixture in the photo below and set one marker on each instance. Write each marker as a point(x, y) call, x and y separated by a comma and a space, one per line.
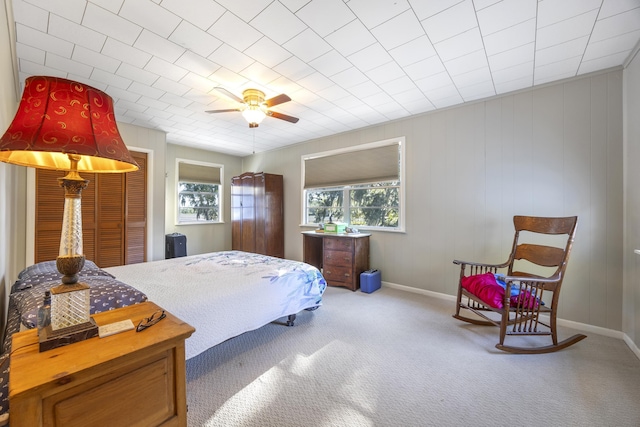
point(254, 115)
point(254, 107)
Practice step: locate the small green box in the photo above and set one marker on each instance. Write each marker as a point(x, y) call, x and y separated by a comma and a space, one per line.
point(334, 228)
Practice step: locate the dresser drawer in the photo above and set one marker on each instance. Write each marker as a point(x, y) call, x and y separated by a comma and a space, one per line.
point(334, 273)
point(338, 244)
point(338, 258)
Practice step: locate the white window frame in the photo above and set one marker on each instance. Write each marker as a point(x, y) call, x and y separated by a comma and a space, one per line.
point(401, 141)
point(220, 192)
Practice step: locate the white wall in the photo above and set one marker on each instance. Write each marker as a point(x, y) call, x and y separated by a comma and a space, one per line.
point(631, 292)
point(201, 238)
point(554, 150)
point(12, 202)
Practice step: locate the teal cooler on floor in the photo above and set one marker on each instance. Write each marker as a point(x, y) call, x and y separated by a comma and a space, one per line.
point(370, 281)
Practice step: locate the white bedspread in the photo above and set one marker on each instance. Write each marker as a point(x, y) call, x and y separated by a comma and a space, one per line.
point(224, 294)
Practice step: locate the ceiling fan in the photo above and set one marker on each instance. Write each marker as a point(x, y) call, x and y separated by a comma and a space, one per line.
point(255, 107)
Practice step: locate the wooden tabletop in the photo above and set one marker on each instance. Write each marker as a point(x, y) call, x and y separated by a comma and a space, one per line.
point(32, 370)
point(314, 233)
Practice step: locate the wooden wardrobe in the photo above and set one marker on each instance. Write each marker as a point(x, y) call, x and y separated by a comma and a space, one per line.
point(114, 211)
point(257, 213)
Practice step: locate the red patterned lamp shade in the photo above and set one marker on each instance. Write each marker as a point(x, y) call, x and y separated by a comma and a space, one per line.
point(65, 125)
point(57, 117)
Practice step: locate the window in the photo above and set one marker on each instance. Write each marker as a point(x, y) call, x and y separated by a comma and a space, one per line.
point(199, 192)
point(373, 205)
point(361, 186)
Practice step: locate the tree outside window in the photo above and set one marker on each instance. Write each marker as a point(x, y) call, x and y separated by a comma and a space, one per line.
point(377, 205)
point(198, 202)
point(324, 205)
point(370, 205)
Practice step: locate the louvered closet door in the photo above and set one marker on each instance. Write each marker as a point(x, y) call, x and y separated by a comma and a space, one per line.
point(49, 211)
point(110, 219)
point(113, 216)
point(49, 206)
point(136, 212)
point(89, 226)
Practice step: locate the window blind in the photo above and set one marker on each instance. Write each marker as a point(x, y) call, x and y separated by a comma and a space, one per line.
point(189, 172)
point(354, 167)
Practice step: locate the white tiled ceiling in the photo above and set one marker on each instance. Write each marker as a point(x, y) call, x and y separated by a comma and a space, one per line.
point(346, 64)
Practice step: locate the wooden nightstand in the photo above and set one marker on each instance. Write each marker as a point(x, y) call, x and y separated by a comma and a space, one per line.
point(127, 379)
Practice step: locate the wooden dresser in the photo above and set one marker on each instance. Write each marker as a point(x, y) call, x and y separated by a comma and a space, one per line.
point(340, 257)
point(130, 378)
point(257, 213)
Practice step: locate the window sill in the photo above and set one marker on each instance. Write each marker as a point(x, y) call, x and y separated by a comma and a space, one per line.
point(199, 223)
point(364, 229)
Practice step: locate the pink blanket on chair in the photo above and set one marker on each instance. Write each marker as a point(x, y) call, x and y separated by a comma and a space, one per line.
point(485, 287)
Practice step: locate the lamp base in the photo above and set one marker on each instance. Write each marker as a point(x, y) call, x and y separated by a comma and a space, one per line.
point(50, 339)
point(70, 305)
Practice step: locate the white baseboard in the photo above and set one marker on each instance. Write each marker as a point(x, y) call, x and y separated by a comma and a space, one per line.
point(632, 345)
point(562, 322)
point(433, 294)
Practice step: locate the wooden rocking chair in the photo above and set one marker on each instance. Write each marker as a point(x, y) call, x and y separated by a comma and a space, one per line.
point(520, 310)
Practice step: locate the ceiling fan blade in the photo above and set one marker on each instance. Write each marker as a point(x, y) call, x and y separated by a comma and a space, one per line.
point(229, 94)
point(282, 116)
point(223, 111)
point(280, 99)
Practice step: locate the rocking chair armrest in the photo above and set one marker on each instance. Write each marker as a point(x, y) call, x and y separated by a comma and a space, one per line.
point(553, 279)
point(542, 283)
point(479, 264)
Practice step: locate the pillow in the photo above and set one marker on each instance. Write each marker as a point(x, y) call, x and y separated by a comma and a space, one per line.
point(491, 291)
point(47, 271)
point(525, 298)
point(39, 268)
point(500, 281)
point(90, 269)
point(32, 279)
point(515, 292)
point(105, 293)
point(485, 287)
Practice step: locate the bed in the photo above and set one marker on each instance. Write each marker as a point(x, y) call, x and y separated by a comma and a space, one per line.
point(244, 291)
point(221, 294)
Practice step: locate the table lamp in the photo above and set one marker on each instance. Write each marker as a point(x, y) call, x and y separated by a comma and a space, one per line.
point(68, 126)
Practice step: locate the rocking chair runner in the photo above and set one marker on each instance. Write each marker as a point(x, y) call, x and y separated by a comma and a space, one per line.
point(521, 309)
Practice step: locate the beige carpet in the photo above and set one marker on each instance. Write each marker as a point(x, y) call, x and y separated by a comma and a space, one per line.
point(393, 358)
